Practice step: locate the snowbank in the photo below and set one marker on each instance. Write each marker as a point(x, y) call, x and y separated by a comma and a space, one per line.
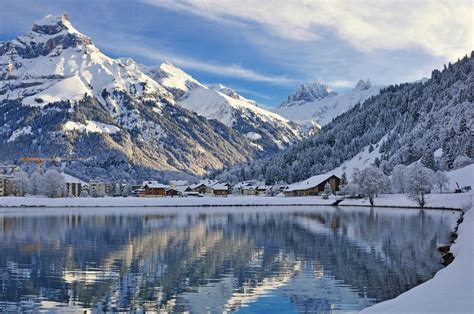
point(161, 201)
point(451, 200)
point(463, 176)
point(450, 291)
point(448, 201)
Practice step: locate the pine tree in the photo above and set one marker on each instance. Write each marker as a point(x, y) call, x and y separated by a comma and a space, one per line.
point(428, 159)
point(377, 162)
point(344, 181)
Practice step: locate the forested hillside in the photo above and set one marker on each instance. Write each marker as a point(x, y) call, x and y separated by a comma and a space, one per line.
point(405, 122)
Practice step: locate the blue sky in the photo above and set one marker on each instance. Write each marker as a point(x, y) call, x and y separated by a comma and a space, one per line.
point(264, 49)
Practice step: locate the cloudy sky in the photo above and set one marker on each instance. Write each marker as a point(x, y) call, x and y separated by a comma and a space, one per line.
point(264, 48)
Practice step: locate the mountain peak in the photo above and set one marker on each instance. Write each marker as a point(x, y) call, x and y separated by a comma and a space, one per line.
point(53, 24)
point(309, 93)
point(362, 85)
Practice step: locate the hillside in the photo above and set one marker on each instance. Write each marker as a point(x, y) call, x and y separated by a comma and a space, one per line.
point(402, 123)
point(267, 131)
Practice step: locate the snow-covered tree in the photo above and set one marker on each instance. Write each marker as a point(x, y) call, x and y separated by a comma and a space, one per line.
point(34, 184)
point(461, 161)
point(127, 190)
point(84, 193)
point(427, 159)
point(370, 182)
point(377, 162)
point(53, 184)
point(399, 179)
point(344, 180)
point(20, 183)
point(327, 190)
point(441, 181)
point(420, 183)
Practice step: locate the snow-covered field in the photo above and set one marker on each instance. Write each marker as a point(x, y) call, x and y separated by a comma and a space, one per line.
point(161, 201)
point(458, 201)
point(450, 291)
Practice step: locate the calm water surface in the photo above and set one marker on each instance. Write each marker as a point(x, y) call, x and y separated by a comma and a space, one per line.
point(246, 260)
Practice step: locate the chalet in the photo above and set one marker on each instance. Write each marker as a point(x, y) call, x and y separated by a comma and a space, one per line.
point(239, 187)
point(180, 186)
point(138, 192)
point(313, 185)
point(220, 189)
point(202, 187)
point(6, 185)
point(276, 189)
point(255, 190)
point(154, 189)
point(172, 192)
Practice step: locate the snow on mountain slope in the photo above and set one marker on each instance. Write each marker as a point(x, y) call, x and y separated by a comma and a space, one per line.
point(215, 104)
point(266, 129)
point(173, 78)
point(55, 62)
point(316, 104)
point(60, 95)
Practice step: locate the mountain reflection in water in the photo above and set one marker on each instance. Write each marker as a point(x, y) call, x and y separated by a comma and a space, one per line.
point(257, 260)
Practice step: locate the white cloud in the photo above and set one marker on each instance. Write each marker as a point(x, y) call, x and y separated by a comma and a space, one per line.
point(341, 83)
point(439, 27)
point(232, 70)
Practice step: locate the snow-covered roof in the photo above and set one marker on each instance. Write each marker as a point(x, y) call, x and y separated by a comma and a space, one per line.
point(181, 188)
point(309, 183)
point(70, 179)
point(244, 184)
point(207, 183)
point(249, 183)
point(220, 187)
point(154, 185)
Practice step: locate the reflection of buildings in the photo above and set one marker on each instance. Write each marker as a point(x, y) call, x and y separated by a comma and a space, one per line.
point(217, 261)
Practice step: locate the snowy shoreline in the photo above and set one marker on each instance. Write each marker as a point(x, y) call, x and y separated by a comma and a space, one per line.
point(451, 290)
point(442, 201)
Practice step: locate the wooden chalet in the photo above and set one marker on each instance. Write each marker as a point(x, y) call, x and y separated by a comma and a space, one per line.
point(313, 186)
point(154, 189)
point(220, 189)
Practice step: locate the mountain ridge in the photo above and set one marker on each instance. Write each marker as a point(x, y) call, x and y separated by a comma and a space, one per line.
point(315, 105)
point(60, 93)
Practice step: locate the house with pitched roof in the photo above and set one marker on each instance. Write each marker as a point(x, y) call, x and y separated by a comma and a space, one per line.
point(313, 185)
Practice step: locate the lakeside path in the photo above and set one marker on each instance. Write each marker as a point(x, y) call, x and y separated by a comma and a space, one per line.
point(435, 201)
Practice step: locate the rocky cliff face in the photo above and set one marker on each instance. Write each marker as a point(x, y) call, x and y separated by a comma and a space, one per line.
point(315, 105)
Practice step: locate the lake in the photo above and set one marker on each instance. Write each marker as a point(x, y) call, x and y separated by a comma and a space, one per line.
point(247, 260)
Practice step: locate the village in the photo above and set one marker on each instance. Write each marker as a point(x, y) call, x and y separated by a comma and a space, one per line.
point(14, 183)
point(366, 187)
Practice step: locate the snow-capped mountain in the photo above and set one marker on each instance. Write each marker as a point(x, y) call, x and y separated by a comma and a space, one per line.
point(61, 96)
point(315, 105)
point(267, 130)
point(54, 62)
